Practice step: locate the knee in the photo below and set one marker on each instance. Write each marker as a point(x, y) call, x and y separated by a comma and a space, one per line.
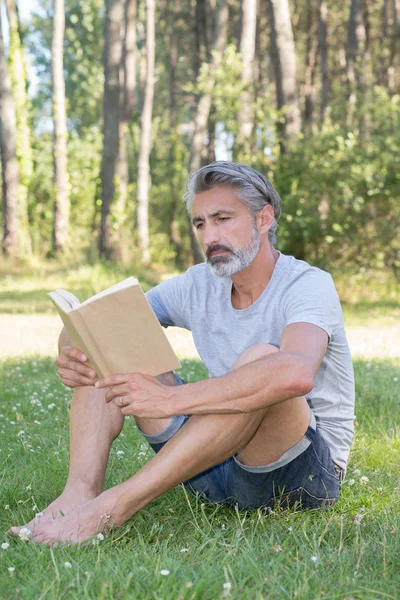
point(254, 353)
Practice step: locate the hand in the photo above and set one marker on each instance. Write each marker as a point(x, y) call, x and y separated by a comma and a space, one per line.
point(139, 395)
point(73, 370)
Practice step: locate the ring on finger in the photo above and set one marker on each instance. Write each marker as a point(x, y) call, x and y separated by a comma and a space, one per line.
point(121, 400)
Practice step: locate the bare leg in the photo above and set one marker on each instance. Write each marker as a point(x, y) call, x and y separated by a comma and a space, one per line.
point(204, 441)
point(93, 427)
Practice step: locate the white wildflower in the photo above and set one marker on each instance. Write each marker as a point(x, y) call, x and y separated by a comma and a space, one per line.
point(227, 589)
point(357, 472)
point(189, 584)
point(25, 534)
point(184, 550)
point(67, 565)
point(164, 572)
point(11, 569)
point(364, 480)
point(314, 559)
point(5, 546)
point(100, 537)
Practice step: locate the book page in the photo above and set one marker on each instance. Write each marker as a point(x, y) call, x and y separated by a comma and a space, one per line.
point(64, 300)
point(130, 281)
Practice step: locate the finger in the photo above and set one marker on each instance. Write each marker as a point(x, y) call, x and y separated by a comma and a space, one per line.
point(74, 353)
point(113, 380)
point(71, 384)
point(116, 392)
point(76, 378)
point(75, 365)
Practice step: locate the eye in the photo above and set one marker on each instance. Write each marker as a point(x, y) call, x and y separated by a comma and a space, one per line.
point(199, 225)
point(223, 218)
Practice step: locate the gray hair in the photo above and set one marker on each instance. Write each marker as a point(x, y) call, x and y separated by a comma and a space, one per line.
point(251, 187)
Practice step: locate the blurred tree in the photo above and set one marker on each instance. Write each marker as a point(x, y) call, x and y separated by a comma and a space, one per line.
point(61, 201)
point(111, 117)
point(284, 60)
point(323, 53)
point(206, 81)
point(143, 177)
point(22, 110)
point(247, 50)
point(8, 149)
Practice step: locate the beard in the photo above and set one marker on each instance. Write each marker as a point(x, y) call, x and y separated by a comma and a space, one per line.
point(238, 258)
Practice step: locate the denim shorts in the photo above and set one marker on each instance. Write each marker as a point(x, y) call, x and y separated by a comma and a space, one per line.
point(311, 480)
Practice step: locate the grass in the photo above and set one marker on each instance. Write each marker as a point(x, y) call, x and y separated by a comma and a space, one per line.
point(349, 552)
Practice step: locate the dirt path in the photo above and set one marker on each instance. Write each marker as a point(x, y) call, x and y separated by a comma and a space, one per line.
point(37, 334)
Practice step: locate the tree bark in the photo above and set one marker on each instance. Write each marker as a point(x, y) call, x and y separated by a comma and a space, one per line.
point(175, 237)
point(9, 161)
point(323, 54)
point(203, 110)
point(23, 140)
point(394, 66)
point(247, 49)
point(284, 60)
point(356, 43)
point(61, 185)
point(111, 110)
point(143, 183)
point(311, 58)
point(127, 105)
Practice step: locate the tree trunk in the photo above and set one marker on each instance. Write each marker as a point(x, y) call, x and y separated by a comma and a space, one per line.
point(323, 54)
point(23, 140)
point(247, 49)
point(356, 41)
point(175, 237)
point(394, 69)
point(9, 162)
point(61, 204)
point(311, 58)
point(203, 110)
point(127, 105)
point(284, 60)
point(111, 110)
point(143, 183)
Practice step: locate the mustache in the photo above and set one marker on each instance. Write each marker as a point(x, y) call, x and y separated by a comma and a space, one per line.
point(211, 249)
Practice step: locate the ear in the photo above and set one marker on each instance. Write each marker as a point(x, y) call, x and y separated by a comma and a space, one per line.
point(265, 218)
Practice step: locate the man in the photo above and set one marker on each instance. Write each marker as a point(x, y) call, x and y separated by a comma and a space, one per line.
point(274, 422)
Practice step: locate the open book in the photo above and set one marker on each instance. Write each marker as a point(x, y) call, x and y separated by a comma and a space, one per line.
point(117, 330)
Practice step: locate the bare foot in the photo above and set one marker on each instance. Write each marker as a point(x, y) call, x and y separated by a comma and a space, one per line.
point(83, 523)
point(71, 498)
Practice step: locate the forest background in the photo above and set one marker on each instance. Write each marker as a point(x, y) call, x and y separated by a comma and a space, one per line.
point(123, 98)
point(105, 107)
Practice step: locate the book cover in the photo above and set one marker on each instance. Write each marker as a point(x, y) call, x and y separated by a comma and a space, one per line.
point(118, 330)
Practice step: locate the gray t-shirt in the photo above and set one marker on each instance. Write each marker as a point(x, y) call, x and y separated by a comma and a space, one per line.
point(296, 292)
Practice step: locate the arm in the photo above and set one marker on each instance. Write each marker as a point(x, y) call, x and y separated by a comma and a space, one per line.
point(264, 382)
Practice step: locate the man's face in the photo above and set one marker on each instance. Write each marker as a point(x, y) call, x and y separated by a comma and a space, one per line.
point(226, 229)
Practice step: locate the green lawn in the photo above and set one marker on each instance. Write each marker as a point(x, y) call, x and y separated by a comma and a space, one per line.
point(210, 552)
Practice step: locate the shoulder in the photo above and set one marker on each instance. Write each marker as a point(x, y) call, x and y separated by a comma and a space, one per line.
point(299, 274)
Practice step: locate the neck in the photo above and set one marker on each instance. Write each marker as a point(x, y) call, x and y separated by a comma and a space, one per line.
point(249, 284)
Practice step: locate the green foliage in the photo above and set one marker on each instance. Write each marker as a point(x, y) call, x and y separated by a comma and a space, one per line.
point(340, 195)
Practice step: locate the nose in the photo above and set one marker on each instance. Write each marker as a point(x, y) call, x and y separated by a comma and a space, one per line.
point(210, 235)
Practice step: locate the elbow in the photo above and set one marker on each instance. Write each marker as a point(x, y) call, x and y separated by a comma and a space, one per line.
point(302, 381)
point(305, 384)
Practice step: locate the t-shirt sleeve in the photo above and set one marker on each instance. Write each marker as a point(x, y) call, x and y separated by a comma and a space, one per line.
point(169, 301)
point(312, 298)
